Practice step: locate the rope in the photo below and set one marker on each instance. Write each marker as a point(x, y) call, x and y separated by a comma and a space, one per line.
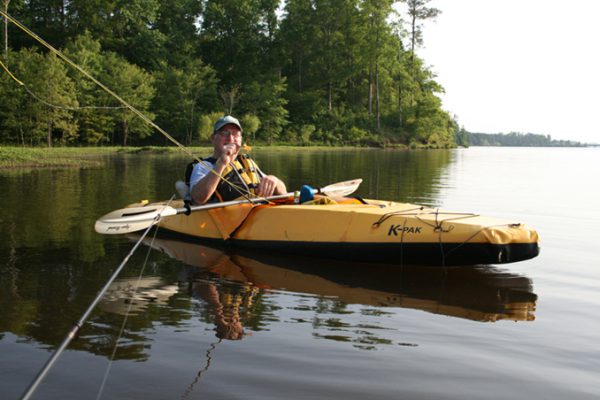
point(77, 326)
point(386, 216)
point(41, 100)
point(8, 71)
point(72, 333)
point(142, 116)
point(127, 313)
point(437, 224)
point(437, 227)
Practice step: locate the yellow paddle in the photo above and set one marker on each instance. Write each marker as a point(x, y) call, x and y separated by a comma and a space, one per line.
point(133, 219)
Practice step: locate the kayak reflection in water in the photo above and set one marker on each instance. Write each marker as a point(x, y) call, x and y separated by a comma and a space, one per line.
point(224, 303)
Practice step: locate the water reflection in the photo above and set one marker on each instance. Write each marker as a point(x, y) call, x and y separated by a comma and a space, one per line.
point(233, 293)
point(136, 295)
point(407, 176)
point(53, 260)
point(132, 296)
point(477, 293)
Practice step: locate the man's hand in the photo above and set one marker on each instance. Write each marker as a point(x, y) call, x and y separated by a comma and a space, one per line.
point(267, 186)
point(229, 154)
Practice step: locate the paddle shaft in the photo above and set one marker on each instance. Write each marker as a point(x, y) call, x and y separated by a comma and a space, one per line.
point(211, 206)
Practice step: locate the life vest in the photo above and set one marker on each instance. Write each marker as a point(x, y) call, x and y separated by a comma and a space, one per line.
point(244, 174)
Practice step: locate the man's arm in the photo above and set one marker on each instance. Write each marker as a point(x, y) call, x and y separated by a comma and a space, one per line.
point(204, 188)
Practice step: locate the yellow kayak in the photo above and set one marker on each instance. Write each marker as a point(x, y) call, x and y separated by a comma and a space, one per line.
point(359, 230)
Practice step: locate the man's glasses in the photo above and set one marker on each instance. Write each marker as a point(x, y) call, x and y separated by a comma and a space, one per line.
point(235, 134)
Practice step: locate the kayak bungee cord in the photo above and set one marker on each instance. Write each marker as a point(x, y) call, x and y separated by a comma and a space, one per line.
point(437, 227)
point(141, 115)
point(77, 326)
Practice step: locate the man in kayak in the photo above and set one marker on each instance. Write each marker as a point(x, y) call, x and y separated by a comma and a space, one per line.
point(240, 173)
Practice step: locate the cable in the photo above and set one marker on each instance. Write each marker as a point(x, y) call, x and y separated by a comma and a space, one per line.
point(141, 115)
point(77, 326)
point(127, 313)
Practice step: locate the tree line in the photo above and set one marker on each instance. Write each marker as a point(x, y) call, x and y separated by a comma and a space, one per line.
point(518, 139)
point(334, 72)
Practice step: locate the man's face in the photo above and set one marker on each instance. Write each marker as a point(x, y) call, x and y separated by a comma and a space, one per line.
point(229, 134)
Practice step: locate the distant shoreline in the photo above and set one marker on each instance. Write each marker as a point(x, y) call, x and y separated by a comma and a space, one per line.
point(518, 139)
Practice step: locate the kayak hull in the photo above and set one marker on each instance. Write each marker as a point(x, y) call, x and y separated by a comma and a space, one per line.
point(378, 231)
point(431, 254)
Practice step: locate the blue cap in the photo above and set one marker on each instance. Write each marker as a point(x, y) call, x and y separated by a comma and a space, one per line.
point(226, 120)
point(306, 193)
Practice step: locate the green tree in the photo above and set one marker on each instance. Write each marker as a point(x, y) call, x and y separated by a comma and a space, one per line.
point(376, 13)
point(404, 84)
point(184, 95)
point(95, 117)
point(339, 65)
point(334, 33)
point(47, 18)
point(265, 100)
point(12, 109)
point(206, 124)
point(430, 124)
point(250, 124)
point(297, 35)
point(177, 22)
point(127, 27)
point(462, 137)
point(298, 51)
point(5, 4)
point(134, 86)
point(44, 112)
point(236, 37)
point(418, 12)
point(59, 93)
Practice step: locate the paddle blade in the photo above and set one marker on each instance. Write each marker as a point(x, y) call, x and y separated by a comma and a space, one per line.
point(341, 188)
point(132, 219)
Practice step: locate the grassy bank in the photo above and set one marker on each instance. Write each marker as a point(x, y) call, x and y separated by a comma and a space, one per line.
point(87, 157)
point(57, 157)
point(23, 157)
point(72, 157)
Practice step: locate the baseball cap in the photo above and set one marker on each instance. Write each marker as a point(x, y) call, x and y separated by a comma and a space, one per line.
point(226, 120)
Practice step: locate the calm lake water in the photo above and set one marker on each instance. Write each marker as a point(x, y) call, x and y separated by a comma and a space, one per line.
point(205, 324)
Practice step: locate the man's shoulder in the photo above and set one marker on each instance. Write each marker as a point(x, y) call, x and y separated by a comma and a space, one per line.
point(200, 169)
point(204, 163)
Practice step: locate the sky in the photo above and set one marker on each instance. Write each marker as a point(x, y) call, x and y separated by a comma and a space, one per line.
point(530, 66)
